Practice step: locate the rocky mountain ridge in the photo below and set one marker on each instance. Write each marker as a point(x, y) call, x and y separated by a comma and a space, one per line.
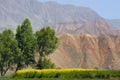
point(115, 23)
point(85, 39)
point(63, 18)
point(88, 51)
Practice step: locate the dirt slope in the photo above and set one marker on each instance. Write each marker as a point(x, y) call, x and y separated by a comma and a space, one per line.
point(88, 51)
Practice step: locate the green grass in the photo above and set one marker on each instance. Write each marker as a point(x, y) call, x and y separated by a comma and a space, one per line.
point(5, 78)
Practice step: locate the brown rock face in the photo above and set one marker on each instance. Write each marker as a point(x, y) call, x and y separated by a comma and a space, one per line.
point(87, 51)
point(89, 27)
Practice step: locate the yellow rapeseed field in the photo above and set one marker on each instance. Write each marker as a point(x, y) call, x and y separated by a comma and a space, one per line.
point(67, 73)
point(54, 70)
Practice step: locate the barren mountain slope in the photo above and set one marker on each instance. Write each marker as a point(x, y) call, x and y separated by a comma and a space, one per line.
point(114, 23)
point(63, 18)
point(88, 51)
point(81, 45)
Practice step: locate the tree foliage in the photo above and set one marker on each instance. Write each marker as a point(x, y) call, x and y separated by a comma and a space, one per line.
point(17, 51)
point(9, 51)
point(26, 42)
point(47, 43)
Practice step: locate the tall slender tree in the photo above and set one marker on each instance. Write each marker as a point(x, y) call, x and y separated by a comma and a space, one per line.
point(26, 42)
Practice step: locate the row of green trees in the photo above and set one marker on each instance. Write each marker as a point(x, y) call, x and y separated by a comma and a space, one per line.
point(18, 50)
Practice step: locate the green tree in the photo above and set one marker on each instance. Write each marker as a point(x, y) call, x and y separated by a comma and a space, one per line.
point(46, 42)
point(8, 51)
point(27, 43)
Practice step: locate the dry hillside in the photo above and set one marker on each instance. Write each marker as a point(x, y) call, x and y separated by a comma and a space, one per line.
point(88, 51)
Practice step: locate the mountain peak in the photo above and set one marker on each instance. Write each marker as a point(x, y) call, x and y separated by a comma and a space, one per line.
point(13, 12)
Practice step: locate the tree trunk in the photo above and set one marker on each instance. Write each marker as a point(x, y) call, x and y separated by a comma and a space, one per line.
point(4, 71)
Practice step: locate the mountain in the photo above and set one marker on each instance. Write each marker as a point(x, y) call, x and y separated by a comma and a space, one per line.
point(115, 23)
point(63, 18)
point(85, 38)
point(87, 51)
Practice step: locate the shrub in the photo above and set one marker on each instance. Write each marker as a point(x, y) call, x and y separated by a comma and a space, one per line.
point(45, 64)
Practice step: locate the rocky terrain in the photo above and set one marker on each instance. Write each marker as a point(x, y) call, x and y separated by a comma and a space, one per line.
point(88, 51)
point(85, 38)
point(63, 18)
point(114, 23)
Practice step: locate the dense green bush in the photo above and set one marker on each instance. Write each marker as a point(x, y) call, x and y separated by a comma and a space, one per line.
point(45, 64)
